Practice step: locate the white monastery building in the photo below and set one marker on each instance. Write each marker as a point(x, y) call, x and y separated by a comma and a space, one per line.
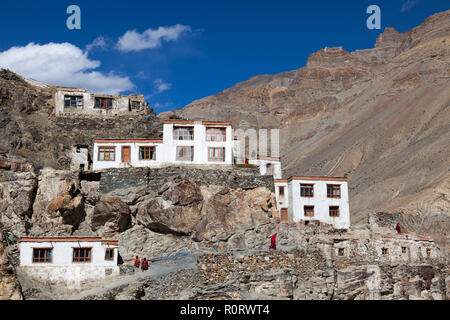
point(307, 199)
point(184, 142)
point(70, 259)
point(268, 166)
point(323, 199)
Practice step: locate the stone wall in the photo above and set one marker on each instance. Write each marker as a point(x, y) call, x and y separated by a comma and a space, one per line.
point(113, 180)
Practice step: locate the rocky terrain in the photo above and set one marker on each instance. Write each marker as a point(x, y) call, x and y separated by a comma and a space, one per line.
point(379, 116)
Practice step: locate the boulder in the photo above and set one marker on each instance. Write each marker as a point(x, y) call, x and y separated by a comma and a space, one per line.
point(111, 216)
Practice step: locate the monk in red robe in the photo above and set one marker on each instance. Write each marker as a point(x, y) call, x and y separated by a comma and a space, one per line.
point(273, 242)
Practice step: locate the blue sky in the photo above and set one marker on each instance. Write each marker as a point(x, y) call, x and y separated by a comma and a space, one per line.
point(175, 52)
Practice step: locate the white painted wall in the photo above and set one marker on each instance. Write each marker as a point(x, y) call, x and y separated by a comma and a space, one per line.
point(262, 164)
point(320, 201)
point(134, 155)
point(62, 253)
point(166, 151)
point(282, 201)
point(62, 269)
point(199, 143)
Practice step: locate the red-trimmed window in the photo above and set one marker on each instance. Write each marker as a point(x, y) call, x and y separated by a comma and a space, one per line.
point(83, 255)
point(309, 211)
point(106, 153)
point(307, 190)
point(42, 255)
point(147, 153)
point(185, 153)
point(334, 211)
point(109, 254)
point(216, 154)
point(333, 190)
point(216, 134)
point(183, 133)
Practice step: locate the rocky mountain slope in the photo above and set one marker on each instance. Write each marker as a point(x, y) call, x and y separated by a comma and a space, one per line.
point(30, 129)
point(380, 116)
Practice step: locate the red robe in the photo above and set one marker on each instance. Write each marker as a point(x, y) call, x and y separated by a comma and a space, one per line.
point(273, 242)
point(145, 265)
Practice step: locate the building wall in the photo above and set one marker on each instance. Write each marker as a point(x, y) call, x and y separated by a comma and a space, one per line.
point(282, 202)
point(320, 201)
point(120, 104)
point(166, 151)
point(199, 143)
point(262, 164)
point(62, 269)
point(79, 157)
point(134, 155)
point(63, 251)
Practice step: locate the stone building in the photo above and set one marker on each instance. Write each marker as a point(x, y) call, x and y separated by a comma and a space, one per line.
point(82, 101)
point(70, 260)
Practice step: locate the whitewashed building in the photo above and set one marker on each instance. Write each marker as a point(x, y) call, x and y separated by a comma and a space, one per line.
point(305, 199)
point(268, 166)
point(323, 199)
point(71, 260)
point(184, 142)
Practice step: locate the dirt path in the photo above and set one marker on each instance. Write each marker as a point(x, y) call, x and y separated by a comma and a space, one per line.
point(156, 269)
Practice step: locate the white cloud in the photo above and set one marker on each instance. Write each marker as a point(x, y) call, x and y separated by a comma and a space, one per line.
point(62, 64)
point(161, 86)
point(408, 5)
point(99, 42)
point(150, 38)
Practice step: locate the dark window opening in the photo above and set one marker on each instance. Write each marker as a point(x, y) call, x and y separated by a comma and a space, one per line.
point(135, 105)
point(82, 255)
point(103, 103)
point(147, 153)
point(333, 190)
point(73, 102)
point(334, 211)
point(341, 251)
point(309, 211)
point(307, 190)
point(109, 254)
point(42, 255)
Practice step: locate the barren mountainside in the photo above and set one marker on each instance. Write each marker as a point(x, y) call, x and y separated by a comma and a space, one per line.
point(380, 116)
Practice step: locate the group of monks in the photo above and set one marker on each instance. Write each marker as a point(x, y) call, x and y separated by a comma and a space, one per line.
point(144, 265)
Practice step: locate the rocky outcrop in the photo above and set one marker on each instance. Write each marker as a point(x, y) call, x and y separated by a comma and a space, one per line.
point(18, 186)
point(9, 285)
point(58, 208)
point(111, 216)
